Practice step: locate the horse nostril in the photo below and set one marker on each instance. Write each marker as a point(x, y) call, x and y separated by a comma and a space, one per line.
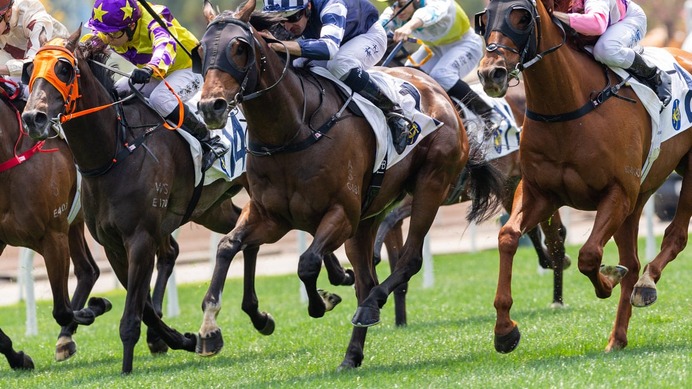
point(220, 106)
point(40, 119)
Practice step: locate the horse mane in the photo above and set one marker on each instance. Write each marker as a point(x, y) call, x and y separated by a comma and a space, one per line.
point(94, 50)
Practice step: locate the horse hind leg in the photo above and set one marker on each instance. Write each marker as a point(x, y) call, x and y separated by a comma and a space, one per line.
point(166, 257)
point(674, 241)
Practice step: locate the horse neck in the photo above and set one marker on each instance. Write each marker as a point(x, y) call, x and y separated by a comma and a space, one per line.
point(92, 137)
point(10, 135)
point(276, 116)
point(562, 80)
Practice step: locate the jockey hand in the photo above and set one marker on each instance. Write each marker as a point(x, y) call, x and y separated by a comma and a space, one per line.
point(401, 33)
point(141, 75)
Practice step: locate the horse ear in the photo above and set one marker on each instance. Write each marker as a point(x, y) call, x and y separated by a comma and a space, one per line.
point(208, 11)
point(74, 39)
point(246, 11)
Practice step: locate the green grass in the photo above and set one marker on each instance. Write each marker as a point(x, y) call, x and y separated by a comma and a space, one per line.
point(448, 342)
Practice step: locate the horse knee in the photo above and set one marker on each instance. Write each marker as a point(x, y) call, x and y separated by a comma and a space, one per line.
point(309, 265)
point(590, 259)
point(130, 330)
point(63, 316)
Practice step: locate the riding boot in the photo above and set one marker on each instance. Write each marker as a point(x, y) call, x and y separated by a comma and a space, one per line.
point(212, 147)
point(400, 127)
point(493, 120)
point(659, 81)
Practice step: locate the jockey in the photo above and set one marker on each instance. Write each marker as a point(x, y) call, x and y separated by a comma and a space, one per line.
point(345, 37)
point(443, 27)
point(21, 24)
point(620, 25)
point(137, 37)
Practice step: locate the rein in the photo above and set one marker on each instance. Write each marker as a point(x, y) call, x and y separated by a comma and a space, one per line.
point(18, 159)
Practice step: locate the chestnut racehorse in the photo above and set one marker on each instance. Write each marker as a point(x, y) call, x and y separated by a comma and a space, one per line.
point(551, 256)
point(38, 192)
point(302, 177)
point(581, 151)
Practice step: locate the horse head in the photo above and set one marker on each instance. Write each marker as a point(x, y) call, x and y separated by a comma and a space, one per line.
point(54, 84)
point(514, 37)
point(229, 56)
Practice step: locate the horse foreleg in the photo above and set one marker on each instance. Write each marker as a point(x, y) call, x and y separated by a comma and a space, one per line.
point(17, 360)
point(166, 257)
point(336, 273)
point(610, 214)
point(140, 254)
point(87, 272)
point(626, 240)
point(674, 241)
point(527, 211)
point(263, 321)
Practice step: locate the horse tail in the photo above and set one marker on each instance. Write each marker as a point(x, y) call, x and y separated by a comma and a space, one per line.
point(483, 183)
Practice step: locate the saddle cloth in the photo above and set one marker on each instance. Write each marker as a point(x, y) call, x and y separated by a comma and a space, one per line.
point(677, 116)
point(503, 141)
point(401, 92)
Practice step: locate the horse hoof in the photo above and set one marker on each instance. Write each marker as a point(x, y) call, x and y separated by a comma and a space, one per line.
point(99, 305)
point(350, 278)
point(613, 273)
point(65, 349)
point(366, 317)
point(22, 362)
point(269, 326)
point(331, 300)
point(507, 343)
point(643, 296)
point(210, 344)
point(84, 316)
point(157, 347)
point(566, 262)
point(557, 305)
point(346, 366)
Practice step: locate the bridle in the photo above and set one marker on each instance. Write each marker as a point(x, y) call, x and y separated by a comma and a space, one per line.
point(527, 40)
point(217, 57)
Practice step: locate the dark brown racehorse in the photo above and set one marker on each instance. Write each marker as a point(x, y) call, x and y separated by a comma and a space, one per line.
point(138, 187)
point(314, 177)
point(39, 186)
point(574, 155)
point(551, 256)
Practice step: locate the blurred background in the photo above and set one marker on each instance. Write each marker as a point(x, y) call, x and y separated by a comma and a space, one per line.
point(668, 20)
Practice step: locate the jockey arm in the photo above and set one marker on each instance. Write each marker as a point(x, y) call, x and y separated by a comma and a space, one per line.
point(595, 19)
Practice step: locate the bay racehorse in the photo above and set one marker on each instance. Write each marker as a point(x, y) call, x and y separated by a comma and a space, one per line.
point(38, 211)
point(550, 256)
point(582, 150)
point(138, 186)
point(311, 168)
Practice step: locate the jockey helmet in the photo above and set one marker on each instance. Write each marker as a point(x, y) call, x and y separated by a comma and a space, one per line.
point(284, 8)
point(113, 15)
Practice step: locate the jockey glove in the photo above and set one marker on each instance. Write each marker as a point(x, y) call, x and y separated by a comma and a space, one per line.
point(141, 75)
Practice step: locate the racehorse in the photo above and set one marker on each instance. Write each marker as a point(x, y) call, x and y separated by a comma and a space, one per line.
point(38, 192)
point(551, 256)
point(137, 189)
point(572, 155)
point(317, 178)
